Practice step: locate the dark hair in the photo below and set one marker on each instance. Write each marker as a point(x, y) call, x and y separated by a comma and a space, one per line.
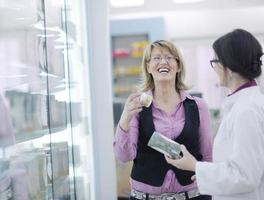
point(240, 51)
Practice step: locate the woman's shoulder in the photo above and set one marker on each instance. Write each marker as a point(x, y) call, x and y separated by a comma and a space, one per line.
point(252, 99)
point(201, 103)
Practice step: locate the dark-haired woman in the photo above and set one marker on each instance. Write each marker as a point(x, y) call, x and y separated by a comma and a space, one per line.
point(237, 171)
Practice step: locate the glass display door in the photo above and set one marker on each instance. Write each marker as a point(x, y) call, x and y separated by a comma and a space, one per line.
point(45, 135)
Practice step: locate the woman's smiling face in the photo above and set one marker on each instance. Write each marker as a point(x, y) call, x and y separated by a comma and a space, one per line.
point(162, 65)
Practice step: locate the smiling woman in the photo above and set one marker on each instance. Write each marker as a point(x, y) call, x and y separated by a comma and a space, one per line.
point(173, 113)
point(162, 56)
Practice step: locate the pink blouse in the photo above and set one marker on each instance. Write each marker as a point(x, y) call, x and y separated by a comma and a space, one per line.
point(170, 125)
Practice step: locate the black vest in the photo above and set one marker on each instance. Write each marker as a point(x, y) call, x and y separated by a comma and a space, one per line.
point(150, 166)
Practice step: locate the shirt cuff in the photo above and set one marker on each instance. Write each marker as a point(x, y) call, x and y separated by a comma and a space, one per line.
point(200, 172)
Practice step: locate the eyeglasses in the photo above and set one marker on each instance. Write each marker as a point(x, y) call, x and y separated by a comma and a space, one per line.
point(158, 59)
point(213, 62)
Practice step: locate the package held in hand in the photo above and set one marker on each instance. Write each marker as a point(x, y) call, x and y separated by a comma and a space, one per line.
point(164, 145)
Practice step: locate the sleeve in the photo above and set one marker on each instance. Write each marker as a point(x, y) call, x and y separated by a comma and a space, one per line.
point(125, 143)
point(243, 170)
point(205, 132)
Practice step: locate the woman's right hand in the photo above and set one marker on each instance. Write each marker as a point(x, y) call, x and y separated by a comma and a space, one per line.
point(132, 107)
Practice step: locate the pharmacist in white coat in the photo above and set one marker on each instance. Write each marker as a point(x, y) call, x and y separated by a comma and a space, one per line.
point(237, 170)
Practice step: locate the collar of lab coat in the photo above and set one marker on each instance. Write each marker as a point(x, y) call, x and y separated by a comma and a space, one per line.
point(243, 94)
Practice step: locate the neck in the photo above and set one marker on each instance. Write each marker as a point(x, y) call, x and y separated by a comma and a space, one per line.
point(165, 93)
point(237, 82)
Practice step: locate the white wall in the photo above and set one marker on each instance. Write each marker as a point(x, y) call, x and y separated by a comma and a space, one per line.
point(205, 22)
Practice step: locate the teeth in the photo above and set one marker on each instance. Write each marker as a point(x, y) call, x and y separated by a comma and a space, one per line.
point(162, 70)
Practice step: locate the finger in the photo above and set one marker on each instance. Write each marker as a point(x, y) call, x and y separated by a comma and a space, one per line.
point(136, 111)
point(167, 158)
point(136, 102)
point(184, 150)
point(170, 160)
point(193, 178)
point(133, 96)
point(134, 106)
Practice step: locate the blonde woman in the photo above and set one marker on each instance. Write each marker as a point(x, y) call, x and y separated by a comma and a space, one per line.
point(174, 113)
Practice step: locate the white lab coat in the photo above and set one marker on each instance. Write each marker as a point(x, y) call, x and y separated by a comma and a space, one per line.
point(237, 171)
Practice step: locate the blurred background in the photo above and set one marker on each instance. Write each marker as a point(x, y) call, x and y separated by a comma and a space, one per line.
point(67, 68)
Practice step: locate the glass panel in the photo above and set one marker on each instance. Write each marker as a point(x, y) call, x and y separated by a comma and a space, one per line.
point(25, 171)
point(59, 101)
point(79, 91)
point(44, 92)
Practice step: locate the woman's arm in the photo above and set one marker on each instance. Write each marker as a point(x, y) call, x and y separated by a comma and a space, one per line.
point(126, 137)
point(243, 170)
point(125, 142)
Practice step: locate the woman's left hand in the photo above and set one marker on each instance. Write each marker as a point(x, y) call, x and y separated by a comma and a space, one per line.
point(186, 162)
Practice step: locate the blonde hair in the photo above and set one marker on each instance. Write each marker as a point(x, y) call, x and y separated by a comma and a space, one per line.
point(147, 82)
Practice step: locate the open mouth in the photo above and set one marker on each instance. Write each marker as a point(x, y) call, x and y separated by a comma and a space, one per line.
point(163, 70)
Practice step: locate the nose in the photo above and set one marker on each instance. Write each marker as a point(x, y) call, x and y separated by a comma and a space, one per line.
point(163, 60)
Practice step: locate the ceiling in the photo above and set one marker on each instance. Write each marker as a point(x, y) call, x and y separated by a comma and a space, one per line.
point(168, 5)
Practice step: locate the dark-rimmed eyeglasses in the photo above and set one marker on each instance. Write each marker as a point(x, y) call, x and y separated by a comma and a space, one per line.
point(213, 62)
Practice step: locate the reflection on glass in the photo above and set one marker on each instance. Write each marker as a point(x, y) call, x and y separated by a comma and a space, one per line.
point(76, 76)
point(23, 164)
point(42, 95)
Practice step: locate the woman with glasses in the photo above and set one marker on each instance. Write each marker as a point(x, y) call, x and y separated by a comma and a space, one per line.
point(175, 114)
point(237, 171)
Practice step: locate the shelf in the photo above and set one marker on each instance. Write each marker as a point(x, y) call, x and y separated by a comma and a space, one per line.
point(27, 136)
point(128, 51)
point(120, 53)
point(119, 100)
point(123, 90)
point(127, 71)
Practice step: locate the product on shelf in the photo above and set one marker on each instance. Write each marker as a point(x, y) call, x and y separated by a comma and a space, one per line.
point(138, 48)
point(57, 113)
point(121, 89)
point(5, 187)
point(60, 160)
point(120, 53)
point(5, 180)
point(47, 152)
point(127, 70)
point(76, 112)
point(119, 71)
point(146, 99)
point(29, 174)
point(58, 156)
point(26, 111)
point(7, 136)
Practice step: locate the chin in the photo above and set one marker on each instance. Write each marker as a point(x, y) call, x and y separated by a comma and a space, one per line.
point(165, 80)
point(166, 77)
